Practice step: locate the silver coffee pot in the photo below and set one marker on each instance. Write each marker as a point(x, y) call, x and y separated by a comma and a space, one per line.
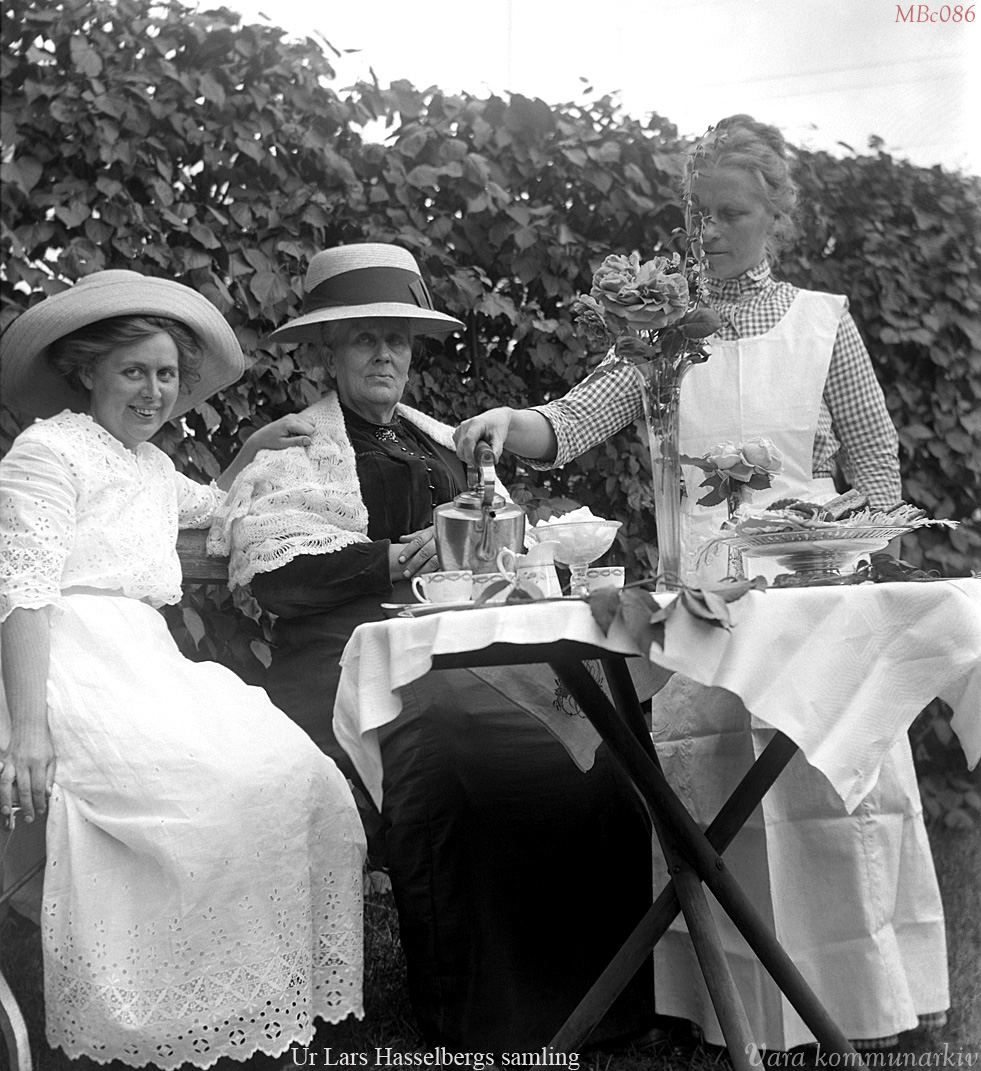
point(473, 529)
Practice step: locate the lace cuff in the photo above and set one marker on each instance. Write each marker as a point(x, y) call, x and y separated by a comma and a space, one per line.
point(25, 599)
point(197, 503)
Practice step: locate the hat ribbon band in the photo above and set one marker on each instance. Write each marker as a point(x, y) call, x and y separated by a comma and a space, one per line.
point(369, 286)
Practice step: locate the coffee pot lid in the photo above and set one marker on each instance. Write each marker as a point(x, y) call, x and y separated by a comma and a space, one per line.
point(477, 500)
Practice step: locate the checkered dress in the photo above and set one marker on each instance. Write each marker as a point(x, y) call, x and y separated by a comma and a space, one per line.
point(854, 429)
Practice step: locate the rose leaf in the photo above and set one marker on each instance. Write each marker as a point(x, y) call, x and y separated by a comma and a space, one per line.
point(714, 497)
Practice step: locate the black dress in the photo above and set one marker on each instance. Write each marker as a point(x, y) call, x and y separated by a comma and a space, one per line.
point(516, 876)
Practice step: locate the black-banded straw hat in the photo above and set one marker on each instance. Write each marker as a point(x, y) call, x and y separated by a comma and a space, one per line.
point(29, 384)
point(364, 281)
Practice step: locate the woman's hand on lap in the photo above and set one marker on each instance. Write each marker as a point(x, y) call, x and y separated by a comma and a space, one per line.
point(413, 554)
point(27, 770)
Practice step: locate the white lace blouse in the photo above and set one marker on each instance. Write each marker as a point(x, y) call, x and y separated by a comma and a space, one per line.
point(80, 510)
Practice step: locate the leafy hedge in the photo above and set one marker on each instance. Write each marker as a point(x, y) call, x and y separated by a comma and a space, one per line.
point(903, 243)
point(188, 145)
point(219, 154)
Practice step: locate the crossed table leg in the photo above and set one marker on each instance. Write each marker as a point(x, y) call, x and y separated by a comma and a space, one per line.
point(693, 858)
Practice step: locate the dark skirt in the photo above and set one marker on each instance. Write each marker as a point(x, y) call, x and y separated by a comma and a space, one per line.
point(516, 876)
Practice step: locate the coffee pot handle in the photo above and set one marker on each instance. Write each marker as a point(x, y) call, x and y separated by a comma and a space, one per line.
point(484, 459)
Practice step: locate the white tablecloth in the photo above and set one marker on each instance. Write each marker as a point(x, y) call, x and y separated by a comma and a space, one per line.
point(841, 670)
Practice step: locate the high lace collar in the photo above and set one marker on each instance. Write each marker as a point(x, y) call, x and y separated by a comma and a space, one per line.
point(93, 427)
point(748, 284)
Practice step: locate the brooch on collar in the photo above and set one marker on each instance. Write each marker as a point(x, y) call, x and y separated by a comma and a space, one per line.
point(389, 433)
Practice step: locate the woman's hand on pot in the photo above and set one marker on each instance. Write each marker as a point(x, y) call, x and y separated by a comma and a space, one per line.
point(492, 427)
point(522, 431)
point(413, 554)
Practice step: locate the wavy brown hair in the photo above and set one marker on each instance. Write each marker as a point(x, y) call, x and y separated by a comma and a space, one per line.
point(77, 353)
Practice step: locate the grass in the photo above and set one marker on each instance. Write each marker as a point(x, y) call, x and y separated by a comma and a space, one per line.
point(389, 1022)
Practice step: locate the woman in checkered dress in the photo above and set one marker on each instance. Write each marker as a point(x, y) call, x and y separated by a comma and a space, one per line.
point(852, 897)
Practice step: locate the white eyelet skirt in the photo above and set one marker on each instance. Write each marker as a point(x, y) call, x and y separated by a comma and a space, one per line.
point(202, 896)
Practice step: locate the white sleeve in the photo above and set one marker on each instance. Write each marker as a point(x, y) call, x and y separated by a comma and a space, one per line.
point(37, 525)
point(196, 502)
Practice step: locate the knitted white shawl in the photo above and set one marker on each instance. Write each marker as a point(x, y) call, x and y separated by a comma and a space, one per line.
point(301, 500)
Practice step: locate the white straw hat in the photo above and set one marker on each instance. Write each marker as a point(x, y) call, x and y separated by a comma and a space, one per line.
point(361, 281)
point(32, 386)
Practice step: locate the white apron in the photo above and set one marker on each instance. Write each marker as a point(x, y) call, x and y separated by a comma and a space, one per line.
point(769, 385)
point(852, 898)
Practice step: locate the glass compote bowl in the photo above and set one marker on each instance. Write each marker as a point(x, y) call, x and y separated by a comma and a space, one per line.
point(580, 543)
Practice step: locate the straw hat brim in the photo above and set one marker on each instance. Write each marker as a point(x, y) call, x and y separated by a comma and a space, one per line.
point(306, 328)
point(30, 385)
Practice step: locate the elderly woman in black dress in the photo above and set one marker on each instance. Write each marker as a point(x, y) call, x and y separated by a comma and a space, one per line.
point(516, 876)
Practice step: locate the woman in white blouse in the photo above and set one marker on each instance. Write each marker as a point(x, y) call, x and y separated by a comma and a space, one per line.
point(202, 895)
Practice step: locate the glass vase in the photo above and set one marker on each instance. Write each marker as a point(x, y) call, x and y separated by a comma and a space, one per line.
point(661, 390)
point(736, 570)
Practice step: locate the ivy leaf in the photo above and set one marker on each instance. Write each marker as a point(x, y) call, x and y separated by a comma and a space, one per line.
point(262, 651)
point(710, 604)
point(705, 605)
point(736, 589)
point(74, 214)
point(210, 415)
point(525, 591)
point(643, 617)
point(85, 58)
point(423, 177)
point(491, 590)
point(24, 172)
point(653, 556)
point(193, 624)
point(498, 305)
point(205, 235)
point(268, 288)
point(204, 459)
point(604, 605)
point(212, 90)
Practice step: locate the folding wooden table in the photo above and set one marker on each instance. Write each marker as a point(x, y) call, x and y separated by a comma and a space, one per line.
point(385, 655)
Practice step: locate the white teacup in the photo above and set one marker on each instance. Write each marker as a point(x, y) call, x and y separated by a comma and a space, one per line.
point(455, 585)
point(610, 576)
point(536, 567)
point(482, 581)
